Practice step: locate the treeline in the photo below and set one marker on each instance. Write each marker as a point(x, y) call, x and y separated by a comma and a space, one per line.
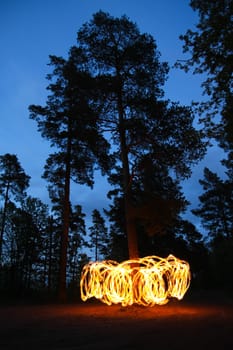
point(31, 238)
point(106, 110)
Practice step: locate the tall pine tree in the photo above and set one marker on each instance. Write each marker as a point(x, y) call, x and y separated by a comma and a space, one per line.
point(98, 235)
point(13, 184)
point(211, 49)
point(129, 77)
point(70, 122)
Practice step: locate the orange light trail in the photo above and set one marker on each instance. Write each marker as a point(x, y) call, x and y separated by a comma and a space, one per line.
point(144, 281)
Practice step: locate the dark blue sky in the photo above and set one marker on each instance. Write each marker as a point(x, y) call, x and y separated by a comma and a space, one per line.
point(31, 30)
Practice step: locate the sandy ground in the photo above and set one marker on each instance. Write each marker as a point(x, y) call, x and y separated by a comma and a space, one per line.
point(177, 325)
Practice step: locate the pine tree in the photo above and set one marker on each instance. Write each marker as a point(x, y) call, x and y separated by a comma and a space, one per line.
point(211, 49)
point(216, 213)
point(98, 235)
point(129, 77)
point(13, 184)
point(215, 208)
point(70, 122)
point(77, 244)
point(25, 244)
point(51, 254)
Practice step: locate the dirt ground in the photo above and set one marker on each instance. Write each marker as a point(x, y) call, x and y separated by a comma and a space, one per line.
point(93, 325)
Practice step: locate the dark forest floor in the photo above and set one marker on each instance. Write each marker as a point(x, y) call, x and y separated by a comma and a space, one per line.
point(189, 324)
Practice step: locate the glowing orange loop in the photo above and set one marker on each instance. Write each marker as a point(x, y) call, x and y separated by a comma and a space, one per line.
point(145, 281)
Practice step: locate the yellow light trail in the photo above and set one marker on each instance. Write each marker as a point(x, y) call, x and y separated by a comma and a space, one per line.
point(145, 281)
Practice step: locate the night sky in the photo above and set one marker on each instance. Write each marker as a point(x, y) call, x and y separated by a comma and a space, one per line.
point(31, 30)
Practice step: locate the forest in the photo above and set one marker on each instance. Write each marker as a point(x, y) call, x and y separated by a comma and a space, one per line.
point(106, 111)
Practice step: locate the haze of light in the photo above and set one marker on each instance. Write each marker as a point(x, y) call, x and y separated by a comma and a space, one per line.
point(145, 281)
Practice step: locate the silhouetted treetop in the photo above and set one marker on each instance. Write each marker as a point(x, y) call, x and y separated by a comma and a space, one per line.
point(211, 49)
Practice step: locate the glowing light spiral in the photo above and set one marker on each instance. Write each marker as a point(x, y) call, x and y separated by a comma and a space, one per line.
point(144, 281)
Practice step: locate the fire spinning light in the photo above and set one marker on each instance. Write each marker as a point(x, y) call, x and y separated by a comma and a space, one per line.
point(144, 281)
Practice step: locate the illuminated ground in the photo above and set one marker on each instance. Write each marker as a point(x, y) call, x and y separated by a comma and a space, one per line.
point(93, 325)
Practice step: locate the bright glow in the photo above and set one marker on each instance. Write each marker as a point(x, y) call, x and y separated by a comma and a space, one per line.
point(144, 281)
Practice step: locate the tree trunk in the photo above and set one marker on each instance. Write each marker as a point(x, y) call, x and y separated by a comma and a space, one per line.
point(130, 223)
point(62, 297)
point(131, 231)
point(50, 253)
point(4, 219)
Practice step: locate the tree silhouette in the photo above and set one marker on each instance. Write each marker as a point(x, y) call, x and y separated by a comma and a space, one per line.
point(211, 49)
point(98, 235)
point(216, 213)
point(129, 76)
point(215, 209)
point(70, 123)
point(211, 52)
point(13, 183)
